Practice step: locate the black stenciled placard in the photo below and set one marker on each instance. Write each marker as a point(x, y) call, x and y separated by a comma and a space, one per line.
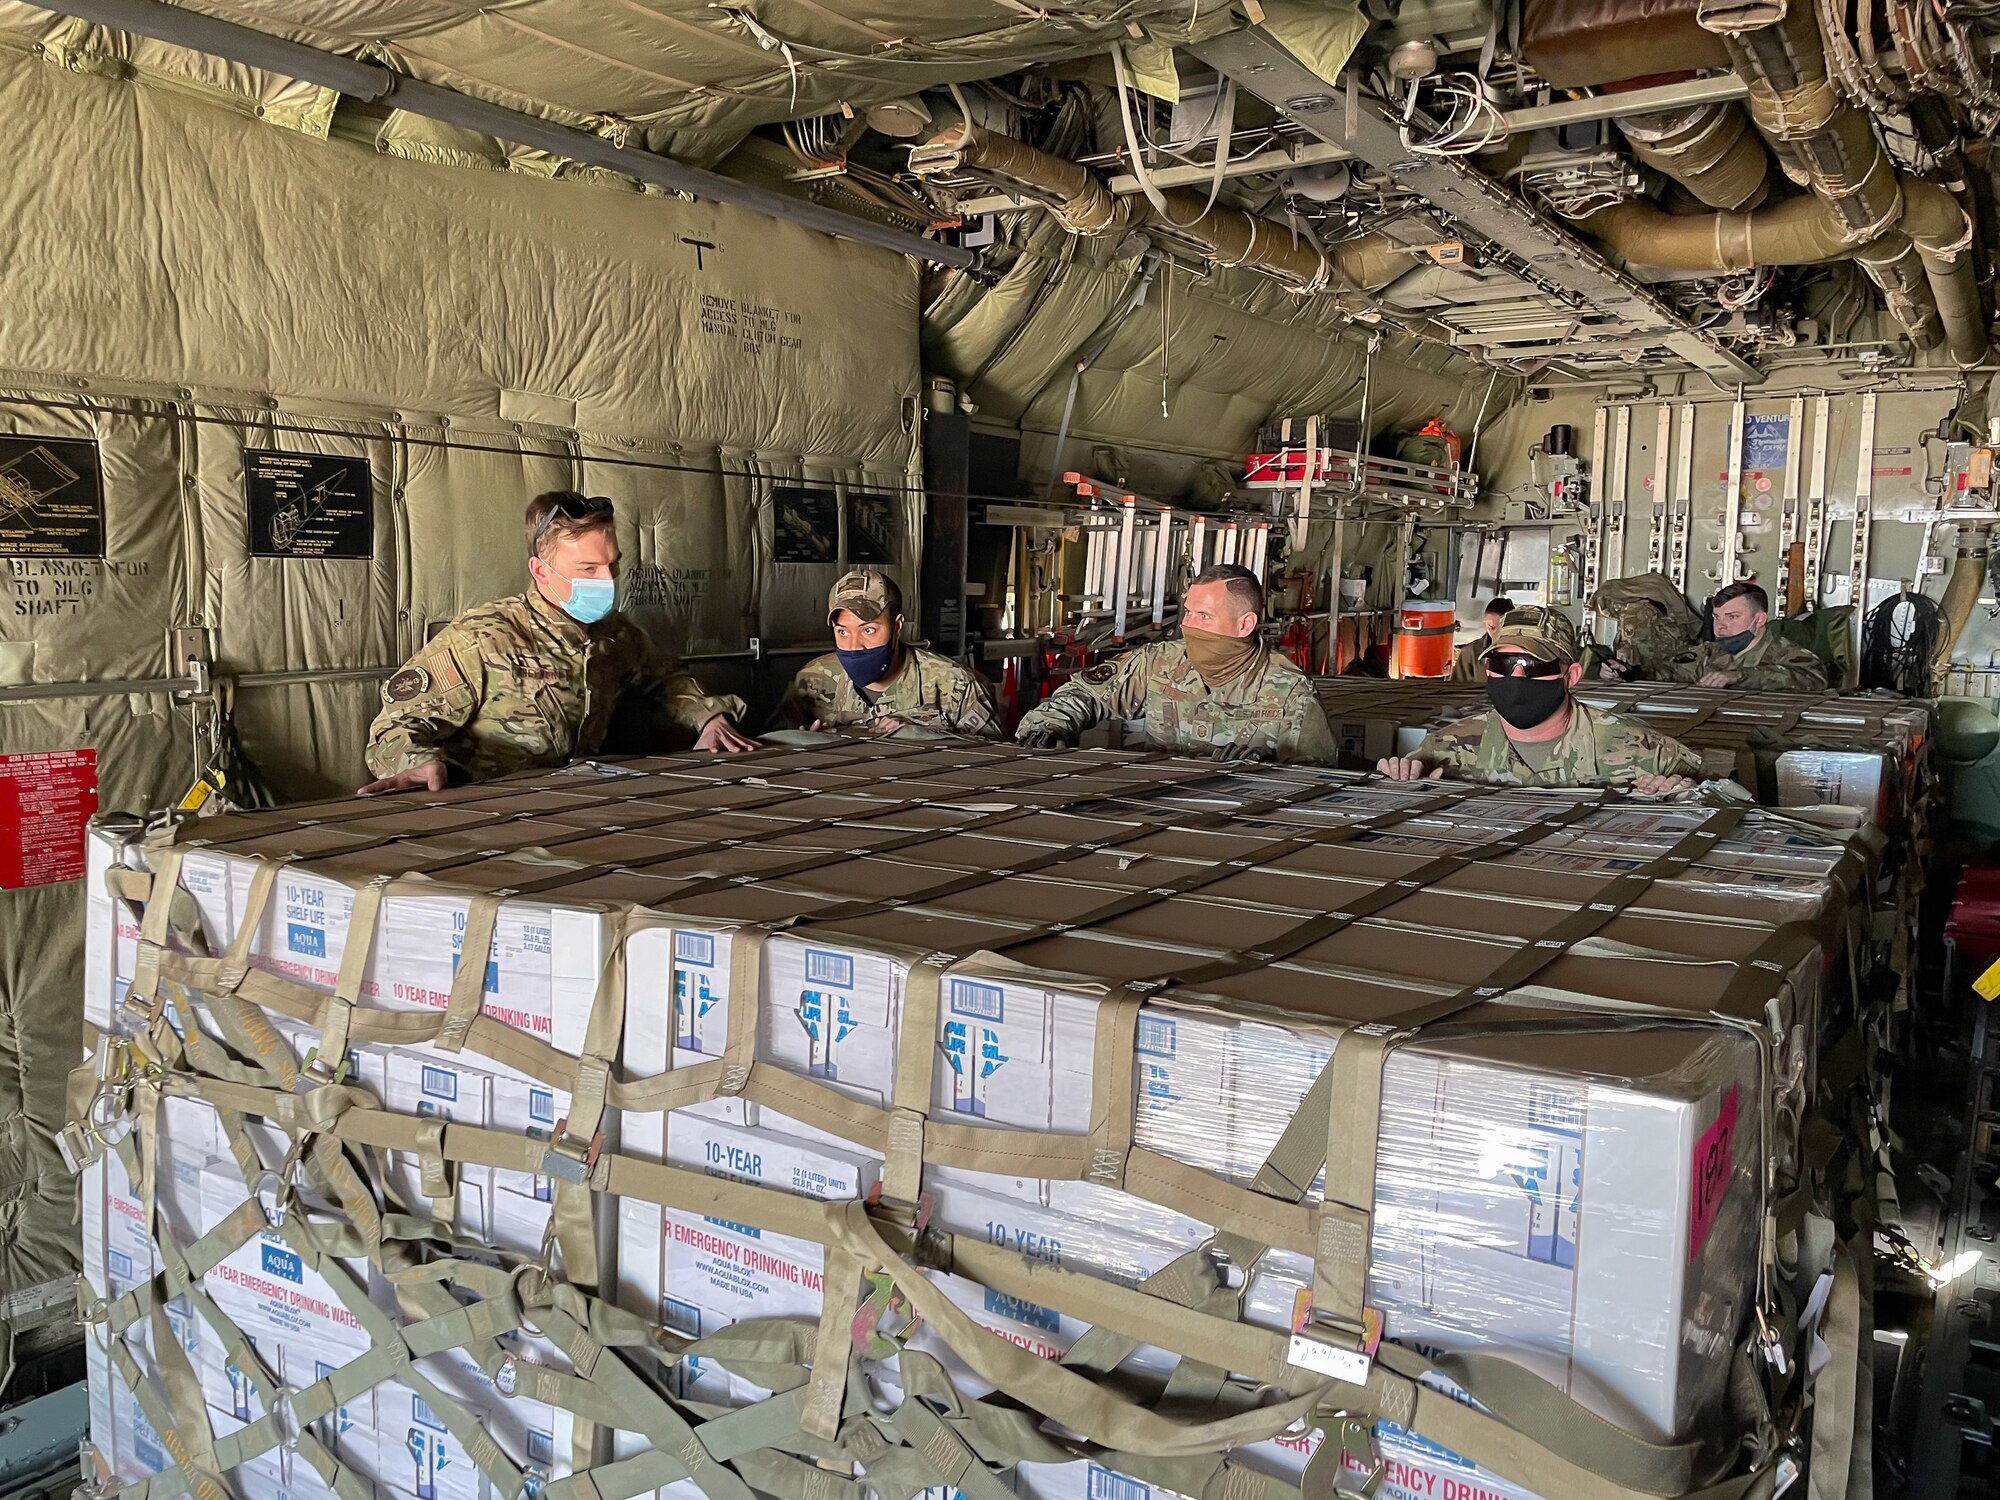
point(871, 528)
point(805, 525)
point(51, 497)
point(309, 504)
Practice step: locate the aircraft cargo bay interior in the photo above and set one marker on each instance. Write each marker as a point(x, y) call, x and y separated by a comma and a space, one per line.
point(999, 750)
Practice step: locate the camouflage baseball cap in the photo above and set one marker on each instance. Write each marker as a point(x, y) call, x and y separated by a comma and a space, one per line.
point(869, 593)
point(1539, 631)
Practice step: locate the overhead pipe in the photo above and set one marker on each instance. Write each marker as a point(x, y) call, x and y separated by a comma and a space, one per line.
point(1709, 149)
point(1961, 597)
point(1081, 202)
point(1932, 230)
point(1790, 232)
point(1917, 253)
point(366, 81)
point(1946, 243)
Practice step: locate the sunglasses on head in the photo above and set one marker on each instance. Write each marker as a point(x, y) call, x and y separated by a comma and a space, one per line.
point(571, 509)
point(1515, 664)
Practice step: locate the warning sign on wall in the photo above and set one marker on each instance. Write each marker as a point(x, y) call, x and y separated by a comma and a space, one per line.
point(46, 801)
point(51, 498)
point(309, 504)
point(805, 525)
point(871, 528)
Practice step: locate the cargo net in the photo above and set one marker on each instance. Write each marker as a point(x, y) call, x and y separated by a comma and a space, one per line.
point(849, 1123)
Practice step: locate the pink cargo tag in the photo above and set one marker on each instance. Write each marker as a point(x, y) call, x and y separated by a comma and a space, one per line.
point(1711, 1171)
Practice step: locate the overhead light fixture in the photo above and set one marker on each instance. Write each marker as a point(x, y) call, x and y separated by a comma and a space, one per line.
point(900, 118)
point(1414, 59)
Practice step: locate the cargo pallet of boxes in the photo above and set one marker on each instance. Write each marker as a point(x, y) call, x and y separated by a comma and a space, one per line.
point(848, 1122)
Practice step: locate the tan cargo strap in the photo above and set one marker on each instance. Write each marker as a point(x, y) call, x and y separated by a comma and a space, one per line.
point(142, 995)
point(1346, 1220)
point(468, 984)
point(361, 937)
point(902, 1170)
point(746, 972)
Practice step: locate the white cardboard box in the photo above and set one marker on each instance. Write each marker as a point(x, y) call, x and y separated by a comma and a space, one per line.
point(1847, 778)
point(541, 976)
point(697, 1274)
point(832, 1013)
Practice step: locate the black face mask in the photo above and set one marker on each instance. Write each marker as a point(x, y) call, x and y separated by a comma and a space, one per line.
point(1738, 643)
point(1525, 702)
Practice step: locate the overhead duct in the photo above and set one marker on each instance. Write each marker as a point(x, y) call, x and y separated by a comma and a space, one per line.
point(1792, 232)
point(1708, 149)
point(1590, 43)
point(1944, 240)
point(1961, 597)
point(1832, 148)
point(1932, 229)
point(1082, 204)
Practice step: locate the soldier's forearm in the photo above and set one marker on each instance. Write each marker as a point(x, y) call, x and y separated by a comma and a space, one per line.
point(1067, 710)
point(392, 756)
point(1048, 720)
point(689, 706)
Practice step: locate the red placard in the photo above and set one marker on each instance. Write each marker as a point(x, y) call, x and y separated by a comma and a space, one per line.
point(46, 801)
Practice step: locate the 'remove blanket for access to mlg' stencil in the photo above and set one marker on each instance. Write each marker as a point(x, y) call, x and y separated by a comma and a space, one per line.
point(640, 1121)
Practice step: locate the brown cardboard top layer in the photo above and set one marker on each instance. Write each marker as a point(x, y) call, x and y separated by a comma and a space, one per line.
point(1104, 867)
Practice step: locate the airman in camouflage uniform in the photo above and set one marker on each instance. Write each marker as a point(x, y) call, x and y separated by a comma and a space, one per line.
point(1770, 666)
point(1598, 749)
point(523, 683)
point(921, 688)
point(1744, 653)
point(1468, 662)
point(1592, 748)
point(1216, 691)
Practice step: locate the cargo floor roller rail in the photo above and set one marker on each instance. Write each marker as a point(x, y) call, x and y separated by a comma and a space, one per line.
point(860, 1119)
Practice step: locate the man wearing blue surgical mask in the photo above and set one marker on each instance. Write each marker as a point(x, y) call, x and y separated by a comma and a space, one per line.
point(873, 682)
point(1744, 653)
point(535, 680)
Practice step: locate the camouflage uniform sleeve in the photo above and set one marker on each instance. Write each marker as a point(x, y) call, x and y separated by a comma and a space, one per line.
point(1455, 747)
point(1465, 666)
point(1676, 759)
point(970, 710)
point(1112, 689)
point(1790, 669)
point(1309, 738)
point(434, 695)
point(1628, 749)
point(1688, 667)
point(802, 706)
point(656, 675)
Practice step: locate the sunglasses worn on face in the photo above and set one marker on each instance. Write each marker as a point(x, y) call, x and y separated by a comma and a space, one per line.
point(571, 510)
point(1511, 664)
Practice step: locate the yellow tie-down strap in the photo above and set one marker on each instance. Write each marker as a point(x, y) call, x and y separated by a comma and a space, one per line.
point(1529, 1432)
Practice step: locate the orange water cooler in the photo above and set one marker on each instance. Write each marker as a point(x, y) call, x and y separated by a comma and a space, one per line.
point(1424, 633)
